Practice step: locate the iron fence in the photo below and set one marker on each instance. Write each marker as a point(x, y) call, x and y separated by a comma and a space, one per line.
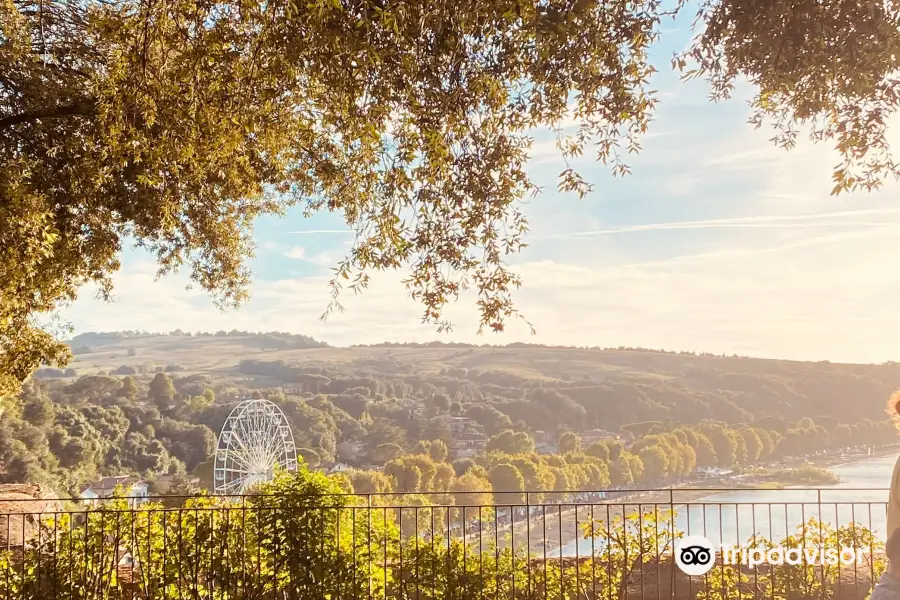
point(534, 545)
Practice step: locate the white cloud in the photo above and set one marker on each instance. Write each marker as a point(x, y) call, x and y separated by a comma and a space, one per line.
point(321, 260)
point(321, 231)
point(296, 253)
point(826, 296)
point(793, 272)
point(747, 159)
point(544, 152)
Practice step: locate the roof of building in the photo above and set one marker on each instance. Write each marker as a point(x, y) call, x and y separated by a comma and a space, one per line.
point(163, 483)
point(469, 436)
point(110, 483)
point(170, 478)
point(598, 432)
point(21, 508)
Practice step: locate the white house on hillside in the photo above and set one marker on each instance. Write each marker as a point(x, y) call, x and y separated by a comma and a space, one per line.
point(468, 444)
point(133, 487)
point(455, 424)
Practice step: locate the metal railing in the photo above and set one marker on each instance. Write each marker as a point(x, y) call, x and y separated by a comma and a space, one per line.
point(535, 545)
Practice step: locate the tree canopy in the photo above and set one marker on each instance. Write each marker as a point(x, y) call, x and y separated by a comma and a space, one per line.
point(65, 432)
point(174, 124)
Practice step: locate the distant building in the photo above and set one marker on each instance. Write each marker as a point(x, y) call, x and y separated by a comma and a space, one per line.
point(126, 565)
point(23, 509)
point(544, 437)
point(596, 435)
point(712, 471)
point(456, 424)
point(127, 568)
point(467, 444)
point(134, 487)
point(163, 483)
point(351, 451)
point(338, 468)
point(546, 448)
point(466, 437)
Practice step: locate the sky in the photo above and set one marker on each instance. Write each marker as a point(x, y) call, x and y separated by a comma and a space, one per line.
point(718, 241)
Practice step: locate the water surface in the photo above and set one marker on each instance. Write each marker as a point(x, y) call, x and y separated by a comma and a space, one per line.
point(733, 517)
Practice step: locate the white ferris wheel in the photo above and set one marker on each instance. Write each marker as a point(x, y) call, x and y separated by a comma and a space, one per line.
point(255, 438)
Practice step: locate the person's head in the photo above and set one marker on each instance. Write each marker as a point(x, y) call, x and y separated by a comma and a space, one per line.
point(893, 408)
point(892, 547)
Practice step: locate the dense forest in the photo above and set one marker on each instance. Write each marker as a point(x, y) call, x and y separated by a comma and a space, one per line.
point(152, 404)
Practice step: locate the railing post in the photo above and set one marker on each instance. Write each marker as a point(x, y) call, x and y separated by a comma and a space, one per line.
point(369, 539)
point(837, 526)
point(528, 540)
point(672, 519)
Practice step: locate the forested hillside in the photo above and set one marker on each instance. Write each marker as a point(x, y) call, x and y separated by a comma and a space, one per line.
point(610, 387)
point(152, 404)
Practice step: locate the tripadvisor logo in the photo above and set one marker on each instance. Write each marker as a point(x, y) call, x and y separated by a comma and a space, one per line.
point(694, 555)
point(778, 555)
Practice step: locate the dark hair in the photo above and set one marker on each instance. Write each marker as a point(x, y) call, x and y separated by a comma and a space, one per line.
point(893, 408)
point(892, 547)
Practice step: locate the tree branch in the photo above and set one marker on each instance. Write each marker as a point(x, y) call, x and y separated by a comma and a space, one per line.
point(67, 110)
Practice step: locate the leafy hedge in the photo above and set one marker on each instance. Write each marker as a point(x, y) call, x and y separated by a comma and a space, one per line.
point(303, 536)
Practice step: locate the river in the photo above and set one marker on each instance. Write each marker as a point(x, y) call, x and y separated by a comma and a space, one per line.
point(732, 517)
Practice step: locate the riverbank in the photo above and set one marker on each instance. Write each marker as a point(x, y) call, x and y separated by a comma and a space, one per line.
point(548, 528)
point(774, 477)
point(840, 461)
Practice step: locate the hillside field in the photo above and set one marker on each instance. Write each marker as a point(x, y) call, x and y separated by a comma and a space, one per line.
point(758, 387)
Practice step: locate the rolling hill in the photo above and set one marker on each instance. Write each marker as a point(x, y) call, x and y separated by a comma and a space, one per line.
point(633, 384)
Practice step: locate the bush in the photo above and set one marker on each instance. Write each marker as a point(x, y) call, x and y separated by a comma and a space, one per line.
point(337, 549)
point(125, 370)
point(810, 475)
point(174, 368)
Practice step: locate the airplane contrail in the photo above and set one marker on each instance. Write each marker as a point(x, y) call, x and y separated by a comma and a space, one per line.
point(762, 221)
point(312, 231)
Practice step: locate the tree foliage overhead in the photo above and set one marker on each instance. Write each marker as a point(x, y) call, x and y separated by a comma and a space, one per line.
point(175, 123)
